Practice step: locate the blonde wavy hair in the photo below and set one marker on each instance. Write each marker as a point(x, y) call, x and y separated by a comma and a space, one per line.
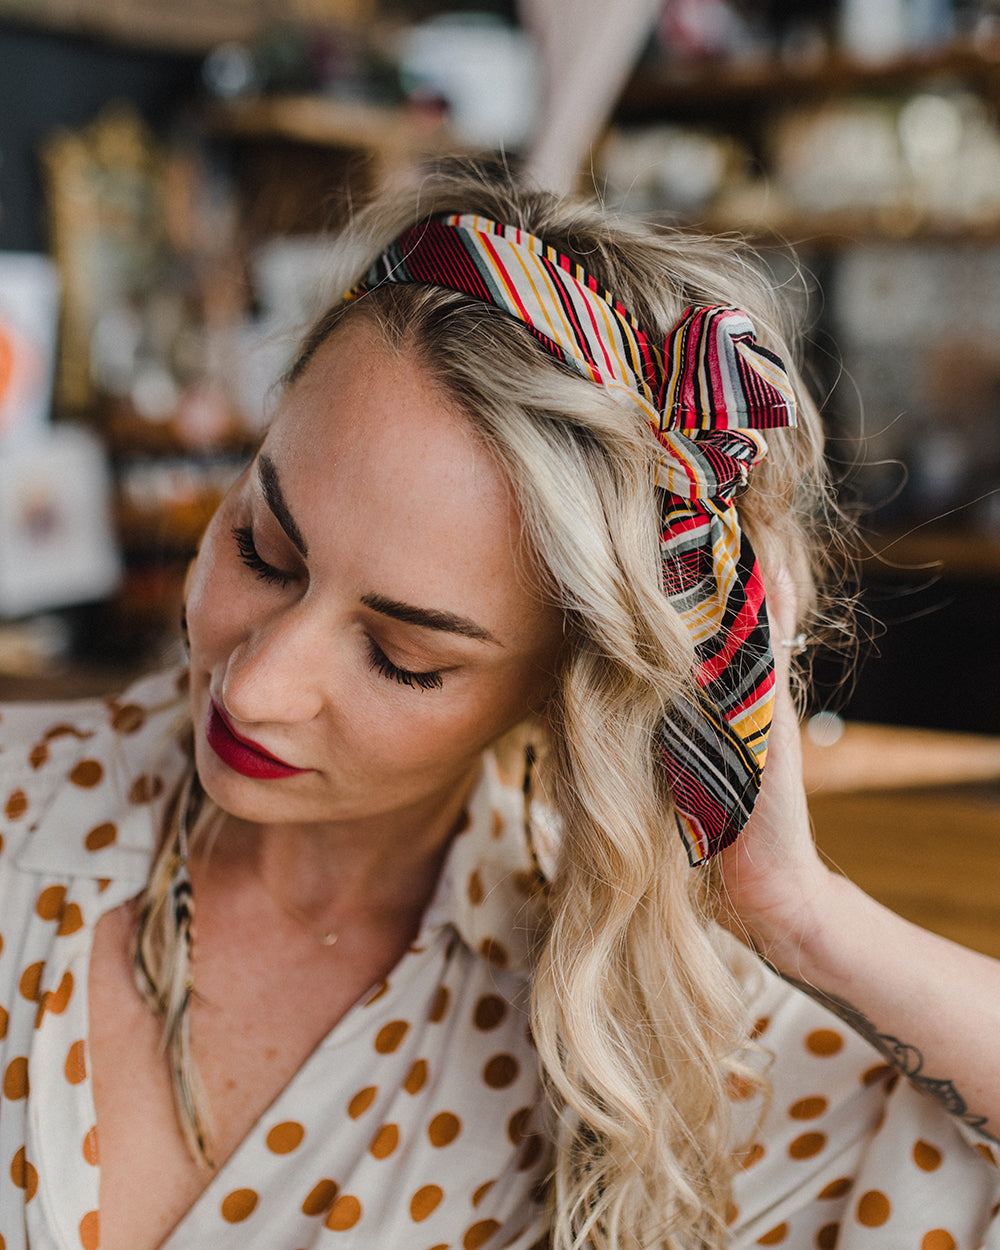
point(638, 1010)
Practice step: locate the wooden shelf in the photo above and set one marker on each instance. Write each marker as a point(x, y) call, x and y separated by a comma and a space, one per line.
point(321, 121)
point(710, 89)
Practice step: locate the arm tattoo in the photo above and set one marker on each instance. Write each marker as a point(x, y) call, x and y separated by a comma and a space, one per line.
point(908, 1059)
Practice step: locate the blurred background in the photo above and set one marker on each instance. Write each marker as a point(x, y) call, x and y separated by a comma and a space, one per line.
point(172, 172)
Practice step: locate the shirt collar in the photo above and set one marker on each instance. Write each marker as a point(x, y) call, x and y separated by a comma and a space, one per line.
point(103, 786)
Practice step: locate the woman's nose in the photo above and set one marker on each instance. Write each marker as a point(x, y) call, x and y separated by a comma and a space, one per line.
point(276, 672)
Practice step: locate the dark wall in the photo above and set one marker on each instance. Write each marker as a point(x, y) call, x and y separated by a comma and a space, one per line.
point(930, 656)
point(47, 81)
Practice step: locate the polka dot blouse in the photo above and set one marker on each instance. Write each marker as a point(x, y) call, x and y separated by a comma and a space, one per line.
point(417, 1124)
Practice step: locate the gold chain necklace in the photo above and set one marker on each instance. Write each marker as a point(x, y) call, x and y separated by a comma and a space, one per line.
point(324, 937)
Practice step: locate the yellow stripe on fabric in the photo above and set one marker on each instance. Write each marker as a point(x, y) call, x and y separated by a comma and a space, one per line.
point(559, 327)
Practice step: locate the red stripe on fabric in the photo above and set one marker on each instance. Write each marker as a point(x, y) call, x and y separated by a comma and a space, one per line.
point(435, 250)
point(737, 632)
point(507, 281)
point(764, 686)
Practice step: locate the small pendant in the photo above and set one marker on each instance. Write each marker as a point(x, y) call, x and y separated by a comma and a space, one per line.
point(327, 939)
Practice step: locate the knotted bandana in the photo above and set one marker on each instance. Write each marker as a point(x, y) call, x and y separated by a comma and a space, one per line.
point(707, 393)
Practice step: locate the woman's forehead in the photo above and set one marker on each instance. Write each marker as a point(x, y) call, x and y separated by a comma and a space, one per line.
point(376, 462)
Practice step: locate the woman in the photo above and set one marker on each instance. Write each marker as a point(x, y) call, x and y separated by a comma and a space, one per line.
point(388, 936)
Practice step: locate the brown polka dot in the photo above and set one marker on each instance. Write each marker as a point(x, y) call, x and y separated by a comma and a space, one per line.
point(238, 1205)
point(479, 1233)
point(424, 1201)
point(57, 1001)
point(760, 1026)
point(444, 1128)
point(526, 883)
point(530, 1153)
point(285, 1137)
point(753, 1155)
point(90, 1231)
point(474, 888)
point(501, 1071)
point(836, 1189)
point(824, 1042)
point(938, 1239)
point(24, 1175)
point(70, 921)
point(344, 1213)
point(983, 1149)
point(416, 1078)
point(439, 1007)
point(808, 1108)
point(320, 1197)
point(15, 1079)
point(3, 1022)
point(101, 836)
point(826, 1238)
point(30, 984)
point(806, 1146)
point(879, 1072)
point(361, 1101)
point(385, 1141)
point(926, 1156)
point(739, 1088)
point(39, 755)
point(16, 805)
point(50, 902)
point(145, 788)
point(873, 1209)
point(75, 1066)
point(90, 1152)
point(390, 1035)
point(87, 774)
point(490, 1010)
point(494, 952)
point(128, 718)
point(496, 825)
point(774, 1237)
point(517, 1125)
point(481, 1192)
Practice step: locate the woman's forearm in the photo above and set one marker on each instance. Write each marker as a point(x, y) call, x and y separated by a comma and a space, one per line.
point(930, 1006)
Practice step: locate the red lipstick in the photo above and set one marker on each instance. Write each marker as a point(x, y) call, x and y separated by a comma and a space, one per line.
point(242, 755)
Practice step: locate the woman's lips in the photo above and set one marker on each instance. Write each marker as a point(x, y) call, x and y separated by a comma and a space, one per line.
point(242, 755)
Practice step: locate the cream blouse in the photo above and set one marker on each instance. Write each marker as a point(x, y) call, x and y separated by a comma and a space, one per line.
point(417, 1123)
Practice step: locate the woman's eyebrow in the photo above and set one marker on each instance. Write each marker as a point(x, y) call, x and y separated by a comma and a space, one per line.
point(267, 475)
point(429, 618)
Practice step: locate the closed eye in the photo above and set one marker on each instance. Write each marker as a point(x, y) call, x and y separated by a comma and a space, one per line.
point(243, 537)
point(381, 663)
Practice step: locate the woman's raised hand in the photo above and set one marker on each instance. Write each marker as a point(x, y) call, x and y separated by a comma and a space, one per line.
point(772, 876)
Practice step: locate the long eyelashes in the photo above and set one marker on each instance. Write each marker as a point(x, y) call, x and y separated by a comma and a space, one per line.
point(381, 663)
point(378, 660)
point(243, 536)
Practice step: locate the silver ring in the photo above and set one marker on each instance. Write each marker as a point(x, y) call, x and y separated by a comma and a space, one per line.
point(796, 645)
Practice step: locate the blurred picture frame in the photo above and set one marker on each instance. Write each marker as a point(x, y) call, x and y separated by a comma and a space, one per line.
point(29, 318)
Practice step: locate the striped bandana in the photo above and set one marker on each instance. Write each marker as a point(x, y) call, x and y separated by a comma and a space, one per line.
point(707, 393)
